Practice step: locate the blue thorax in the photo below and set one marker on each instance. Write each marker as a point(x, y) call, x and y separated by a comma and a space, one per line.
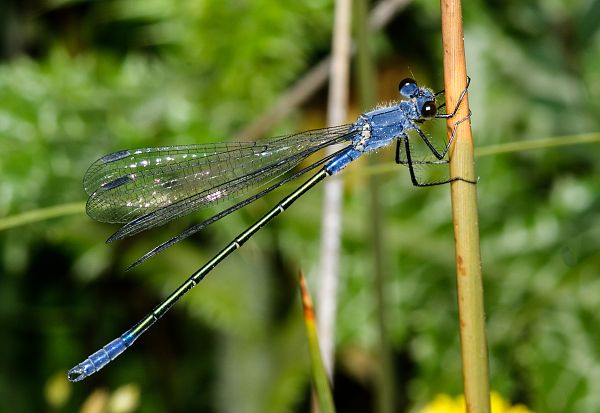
point(382, 126)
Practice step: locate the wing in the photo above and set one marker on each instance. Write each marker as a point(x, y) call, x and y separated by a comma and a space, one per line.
point(148, 187)
point(200, 226)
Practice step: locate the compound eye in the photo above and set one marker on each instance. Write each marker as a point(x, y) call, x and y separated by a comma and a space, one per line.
point(408, 87)
point(428, 110)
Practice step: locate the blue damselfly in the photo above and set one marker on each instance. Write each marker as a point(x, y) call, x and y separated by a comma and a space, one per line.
point(145, 188)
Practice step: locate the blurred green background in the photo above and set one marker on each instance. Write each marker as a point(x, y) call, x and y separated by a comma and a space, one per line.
point(79, 79)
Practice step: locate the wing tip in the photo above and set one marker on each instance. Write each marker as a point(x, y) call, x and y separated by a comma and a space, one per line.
point(115, 156)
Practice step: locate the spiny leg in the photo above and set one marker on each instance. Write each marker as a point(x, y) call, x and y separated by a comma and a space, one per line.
point(409, 162)
point(460, 99)
point(432, 148)
point(440, 155)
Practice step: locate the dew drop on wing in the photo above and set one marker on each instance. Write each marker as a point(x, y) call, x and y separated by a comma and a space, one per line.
point(117, 182)
point(113, 157)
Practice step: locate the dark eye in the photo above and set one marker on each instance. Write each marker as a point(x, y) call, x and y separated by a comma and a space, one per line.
point(428, 110)
point(408, 87)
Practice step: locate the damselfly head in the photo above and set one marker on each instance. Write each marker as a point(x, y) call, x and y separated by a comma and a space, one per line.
point(424, 99)
point(428, 109)
point(408, 88)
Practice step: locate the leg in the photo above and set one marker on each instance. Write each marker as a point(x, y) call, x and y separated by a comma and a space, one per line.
point(439, 155)
point(410, 164)
point(444, 90)
point(433, 150)
point(399, 160)
point(460, 99)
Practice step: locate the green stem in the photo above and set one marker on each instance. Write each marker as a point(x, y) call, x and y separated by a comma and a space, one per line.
point(465, 218)
point(321, 382)
point(521, 146)
point(36, 215)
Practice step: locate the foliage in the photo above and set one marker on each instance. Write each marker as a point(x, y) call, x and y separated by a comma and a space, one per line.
point(82, 78)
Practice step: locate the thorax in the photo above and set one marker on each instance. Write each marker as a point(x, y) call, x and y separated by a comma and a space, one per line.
point(382, 126)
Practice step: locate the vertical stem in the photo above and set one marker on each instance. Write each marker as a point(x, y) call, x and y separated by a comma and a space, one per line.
point(322, 388)
point(464, 213)
point(331, 221)
point(367, 85)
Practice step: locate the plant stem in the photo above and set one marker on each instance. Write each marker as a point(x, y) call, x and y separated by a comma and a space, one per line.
point(331, 219)
point(543, 143)
point(464, 214)
point(41, 215)
point(320, 380)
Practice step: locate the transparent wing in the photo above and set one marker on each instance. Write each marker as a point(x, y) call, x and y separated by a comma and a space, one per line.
point(148, 187)
point(200, 226)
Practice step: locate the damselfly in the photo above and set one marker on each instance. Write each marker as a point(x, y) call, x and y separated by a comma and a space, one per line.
point(145, 188)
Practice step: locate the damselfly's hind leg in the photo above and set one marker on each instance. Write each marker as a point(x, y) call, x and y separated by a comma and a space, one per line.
point(442, 154)
point(414, 176)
